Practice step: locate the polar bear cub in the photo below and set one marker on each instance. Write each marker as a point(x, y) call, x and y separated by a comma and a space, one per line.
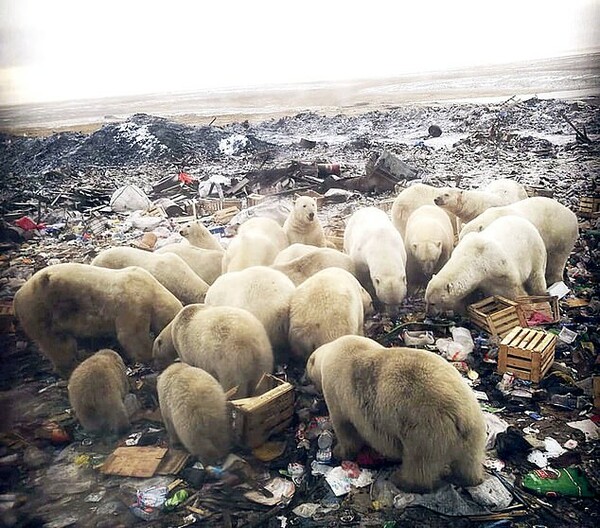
point(508, 258)
point(378, 252)
point(258, 242)
point(194, 409)
point(302, 224)
point(330, 304)
point(557, 225)
point(229, 343)
point(97, 388)
point(407, 404)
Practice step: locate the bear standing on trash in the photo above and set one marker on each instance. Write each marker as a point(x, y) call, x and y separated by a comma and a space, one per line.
point(405, 403)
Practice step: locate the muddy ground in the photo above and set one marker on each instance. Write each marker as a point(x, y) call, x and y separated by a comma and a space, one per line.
point(50, 480)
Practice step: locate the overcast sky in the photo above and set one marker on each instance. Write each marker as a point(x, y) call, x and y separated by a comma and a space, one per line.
point(71, 49)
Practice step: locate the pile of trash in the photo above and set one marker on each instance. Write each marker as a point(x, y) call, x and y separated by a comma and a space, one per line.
point(543, 436)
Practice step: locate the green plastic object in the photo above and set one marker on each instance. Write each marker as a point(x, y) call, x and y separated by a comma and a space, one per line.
point(566, 482)
point(176, 499)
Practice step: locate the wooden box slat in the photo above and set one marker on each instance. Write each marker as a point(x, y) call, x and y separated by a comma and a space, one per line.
point(527, 353)
point(496, 315)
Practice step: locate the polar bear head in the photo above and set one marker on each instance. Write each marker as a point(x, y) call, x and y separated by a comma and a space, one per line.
point(305, 209)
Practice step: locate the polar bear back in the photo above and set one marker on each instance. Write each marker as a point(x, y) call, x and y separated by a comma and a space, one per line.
point(258, 242)
point(194, 408)
point(378, 252)
point(324, 307)
point(262, 291)
point(509, 191)
point(97, 388)
point(293, 252)
point(229, 343)
point(169, 269)
point(305, 266)
point(206, 263)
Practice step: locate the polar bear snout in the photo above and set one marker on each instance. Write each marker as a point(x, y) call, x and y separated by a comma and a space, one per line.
point(311, 216)
point(439, 200)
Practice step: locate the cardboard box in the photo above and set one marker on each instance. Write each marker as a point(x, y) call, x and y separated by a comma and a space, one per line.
point(496, 315)
point(255, 419)
point(527, 353)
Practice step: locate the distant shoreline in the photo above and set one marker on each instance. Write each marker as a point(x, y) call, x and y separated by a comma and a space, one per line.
point(572, 77)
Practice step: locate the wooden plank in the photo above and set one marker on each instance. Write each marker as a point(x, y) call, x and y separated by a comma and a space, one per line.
point(535, 340)
point(524, 364)
point(511, 335)
point(545, 342)
point(518, 338)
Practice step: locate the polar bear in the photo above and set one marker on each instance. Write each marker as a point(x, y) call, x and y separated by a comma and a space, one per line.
point(63, 303)
point(509, 190)
point(206, 263)
point(466, 204)
point(299, 269)
point(229, 343)
point(405, 403)
point(97, 388)
point(198, 236)
point(378, 252)
point(557, 225)
point(262, 291)
point(429, 242)
point(194, 409)
point(258, 242)
point(330, 304)
point(508, 258)
point(293, 251)
point(410, 199)
point(302, 224)
point(168, 269)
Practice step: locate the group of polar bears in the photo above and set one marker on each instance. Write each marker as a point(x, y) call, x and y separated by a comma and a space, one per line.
point(280, 292)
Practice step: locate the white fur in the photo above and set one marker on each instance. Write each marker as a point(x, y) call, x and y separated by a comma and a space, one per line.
point(262, 291)
point(557, 225)
point(328, 305)
point(410, 199)
point(206, 263)
point(378, 252)
point(258, 242)
point(429, 242)
point(168, 269)
point(302, 225)
point(508, 258)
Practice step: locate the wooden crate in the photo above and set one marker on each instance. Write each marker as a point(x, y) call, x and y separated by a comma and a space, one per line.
point(211, 205)
point(255, 419)
point(546, 304)
point(254, 199)
point(589, 206)
point(526, 353)
point(496, 315)
point(313, 194)
point(537, 190)
point(7, 317)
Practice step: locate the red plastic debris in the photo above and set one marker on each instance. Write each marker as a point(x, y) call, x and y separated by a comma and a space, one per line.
point(28, 224)
point(184, 177)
